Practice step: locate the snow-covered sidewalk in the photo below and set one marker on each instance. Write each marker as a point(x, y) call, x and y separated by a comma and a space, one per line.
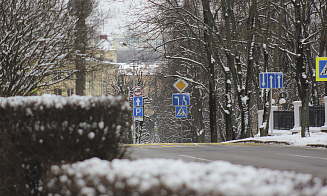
point(316, 139)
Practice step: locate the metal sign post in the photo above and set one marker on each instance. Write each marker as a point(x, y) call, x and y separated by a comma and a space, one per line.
point(271, 80)
point(271, 124)
point(181, 101)
point(137, 110)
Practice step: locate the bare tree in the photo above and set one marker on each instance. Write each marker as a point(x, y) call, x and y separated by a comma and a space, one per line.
point(230, 43)
point(35, 40)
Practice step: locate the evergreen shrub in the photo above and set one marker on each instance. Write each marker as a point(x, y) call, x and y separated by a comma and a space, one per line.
point(40, 131)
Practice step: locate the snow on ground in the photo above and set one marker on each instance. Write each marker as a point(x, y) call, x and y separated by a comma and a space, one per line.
point(281, 136)
point(176, 176)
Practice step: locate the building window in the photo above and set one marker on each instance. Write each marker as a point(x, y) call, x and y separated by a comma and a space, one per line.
point(70, 91)
point(71, 77)
point(57, 91)
point(57, 75)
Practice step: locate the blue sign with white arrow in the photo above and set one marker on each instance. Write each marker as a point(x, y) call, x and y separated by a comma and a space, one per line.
point(271, 80)
point(138, 101)
point(181, 99)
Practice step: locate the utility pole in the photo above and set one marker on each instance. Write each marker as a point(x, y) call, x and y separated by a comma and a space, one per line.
point(134, 122)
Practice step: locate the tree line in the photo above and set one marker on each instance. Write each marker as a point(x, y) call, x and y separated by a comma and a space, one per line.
point(39, 37)
point(221, 46)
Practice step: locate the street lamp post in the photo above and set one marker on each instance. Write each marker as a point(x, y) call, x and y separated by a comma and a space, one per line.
point(133, 66)
point(134, 122)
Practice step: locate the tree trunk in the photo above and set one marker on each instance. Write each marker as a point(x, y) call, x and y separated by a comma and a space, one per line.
point(246, 118)
point(266, 107)
point(208, 39)
point(230, 62)
point(228, 115)
point(197, 109)
point(80, 47)
point(301, 76)
point(323, 36)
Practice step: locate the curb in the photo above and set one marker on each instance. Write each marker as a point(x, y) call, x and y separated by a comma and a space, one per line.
point(186, 144)
point(280, 142)
point(223, 143)
point(263, 142)
point(317, 145)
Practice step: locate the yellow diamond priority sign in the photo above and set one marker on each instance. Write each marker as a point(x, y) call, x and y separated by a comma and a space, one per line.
point(180, 85)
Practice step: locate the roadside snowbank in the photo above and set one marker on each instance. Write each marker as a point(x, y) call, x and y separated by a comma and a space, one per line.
point(318, 139)
point(168, 177)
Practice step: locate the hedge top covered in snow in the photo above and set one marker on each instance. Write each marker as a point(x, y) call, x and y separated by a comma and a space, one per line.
point(59, 102)
point(39, 131)
point(176, 177)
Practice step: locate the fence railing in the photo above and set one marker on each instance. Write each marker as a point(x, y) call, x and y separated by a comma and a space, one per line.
point(316, 116)
point(284, 120)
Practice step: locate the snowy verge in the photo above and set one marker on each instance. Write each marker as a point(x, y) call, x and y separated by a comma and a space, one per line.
point(176, 177)
point(318, 139)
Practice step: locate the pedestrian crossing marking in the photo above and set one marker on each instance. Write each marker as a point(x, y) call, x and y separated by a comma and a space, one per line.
point(324, 70)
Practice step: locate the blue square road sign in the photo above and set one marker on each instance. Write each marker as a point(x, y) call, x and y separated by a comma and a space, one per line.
point(271, 80)
point(138, 101)
point(181, 111)
point(138, 111)
point(181, 99)
point(321, 69)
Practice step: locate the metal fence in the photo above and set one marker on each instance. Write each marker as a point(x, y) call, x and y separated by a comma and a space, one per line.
point(316, 116)
point(284, 120)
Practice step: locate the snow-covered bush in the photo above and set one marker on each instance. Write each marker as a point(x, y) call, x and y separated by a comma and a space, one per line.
point(165, 177)
point(39, 131)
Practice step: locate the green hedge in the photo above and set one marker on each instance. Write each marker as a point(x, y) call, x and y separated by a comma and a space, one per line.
point(39, 131)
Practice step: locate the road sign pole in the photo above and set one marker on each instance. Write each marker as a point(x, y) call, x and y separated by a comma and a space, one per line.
point(182, 131)
point(139, 132)
point(271, 80)
point(271, 124)
point(134, 123)
point(133, 131)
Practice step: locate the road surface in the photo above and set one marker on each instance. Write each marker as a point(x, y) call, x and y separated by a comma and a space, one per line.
point(298, 159)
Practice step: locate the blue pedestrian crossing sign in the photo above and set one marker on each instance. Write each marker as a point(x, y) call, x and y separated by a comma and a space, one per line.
point(138, 101)
point(138, 111)
point(181, 111)
point(181, 99)
point(321, 69)
point(271, 80)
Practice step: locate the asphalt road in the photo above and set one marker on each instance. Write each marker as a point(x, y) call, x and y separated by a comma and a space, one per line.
point(298, 159)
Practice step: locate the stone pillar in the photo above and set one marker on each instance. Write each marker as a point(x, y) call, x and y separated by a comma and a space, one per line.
point(271, 119)
point(260, 119)
point(324, 128)
point(297, 127)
